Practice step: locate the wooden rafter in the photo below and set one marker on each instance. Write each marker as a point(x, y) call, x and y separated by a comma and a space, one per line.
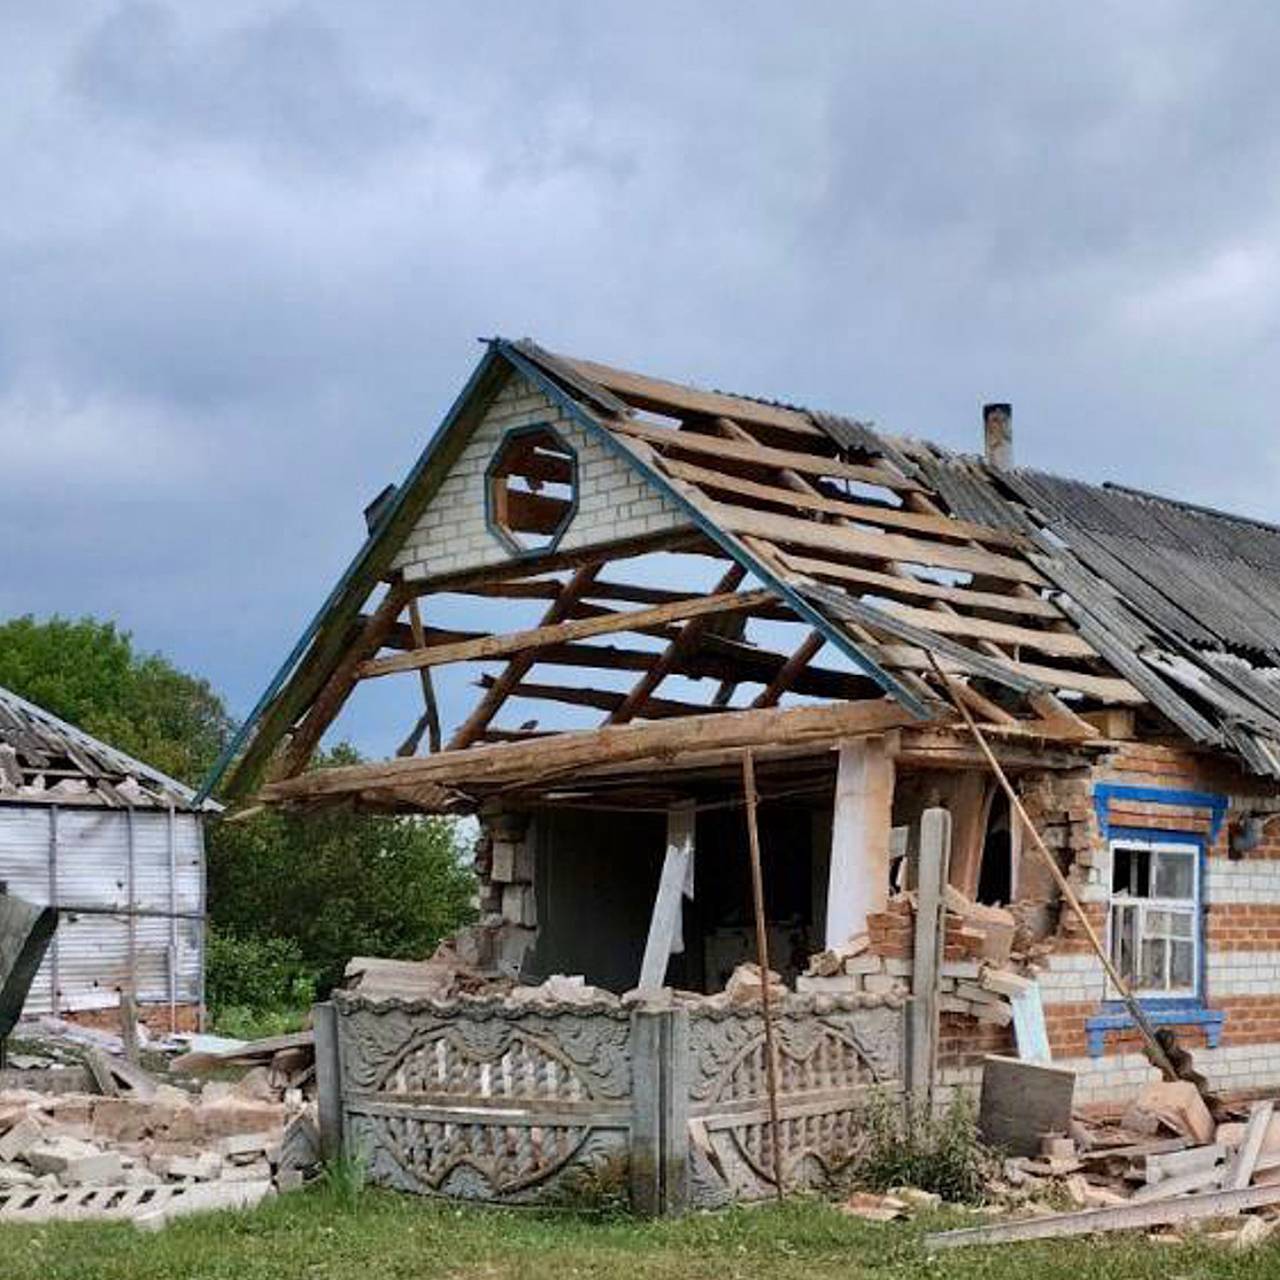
point(683, 642)
point(790, 670)
point(338, 687)
point(479, 719)
point(600, 699)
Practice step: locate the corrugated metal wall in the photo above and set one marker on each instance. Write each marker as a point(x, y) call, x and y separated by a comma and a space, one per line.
point(130, 886)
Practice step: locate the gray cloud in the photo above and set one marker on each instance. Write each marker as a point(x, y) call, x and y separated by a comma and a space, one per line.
point(246, 249)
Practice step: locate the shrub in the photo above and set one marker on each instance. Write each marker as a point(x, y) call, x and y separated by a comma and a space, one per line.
point(256, 978)
point(907, 1145)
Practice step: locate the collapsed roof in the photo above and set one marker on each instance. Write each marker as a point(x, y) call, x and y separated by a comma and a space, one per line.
point(1041, 599)
point(45, 760)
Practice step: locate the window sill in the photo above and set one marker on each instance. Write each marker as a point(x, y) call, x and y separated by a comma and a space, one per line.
point(1160, 1013)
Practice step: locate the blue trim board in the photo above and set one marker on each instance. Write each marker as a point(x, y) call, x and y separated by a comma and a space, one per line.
point(1105, 792)
point(725, 541)
point(1160, 1013)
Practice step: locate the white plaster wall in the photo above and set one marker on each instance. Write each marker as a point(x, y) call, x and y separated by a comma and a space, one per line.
point(614, 501)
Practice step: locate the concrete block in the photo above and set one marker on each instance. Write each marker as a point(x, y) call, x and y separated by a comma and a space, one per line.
point(240, 1144)
point(836, 984)
point(24, 1135)
point(503, 867)
point(75, 1163)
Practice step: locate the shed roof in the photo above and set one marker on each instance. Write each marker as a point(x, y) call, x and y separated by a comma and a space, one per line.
point(45, 760)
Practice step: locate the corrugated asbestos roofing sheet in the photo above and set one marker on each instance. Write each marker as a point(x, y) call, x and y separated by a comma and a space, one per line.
point(46, 760)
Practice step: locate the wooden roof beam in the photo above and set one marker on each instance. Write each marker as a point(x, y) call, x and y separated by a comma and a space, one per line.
point(497, 646)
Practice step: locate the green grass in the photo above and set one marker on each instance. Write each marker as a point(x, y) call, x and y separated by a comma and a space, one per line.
point(381, 1236)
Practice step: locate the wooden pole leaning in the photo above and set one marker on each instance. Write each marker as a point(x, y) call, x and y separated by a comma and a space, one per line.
point(762, 959)
point(1155, 1050)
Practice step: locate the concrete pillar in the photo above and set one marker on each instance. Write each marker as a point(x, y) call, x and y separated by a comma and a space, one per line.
point(859, 878)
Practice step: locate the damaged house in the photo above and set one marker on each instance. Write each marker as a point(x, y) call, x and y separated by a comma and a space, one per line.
point(661, 600)
point(117, 849)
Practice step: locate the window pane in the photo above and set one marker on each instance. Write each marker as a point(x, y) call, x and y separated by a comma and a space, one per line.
point(1183, 924)
point(1123, 924)
point(1157, 924)
point(1152, 977)
point(1182, 964)
point(1175, 875)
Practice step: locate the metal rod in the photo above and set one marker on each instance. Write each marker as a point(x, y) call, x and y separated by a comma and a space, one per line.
point(55, 1000)
point(173, 926)
point(131, 890)
point(762, 959)
point(1158, 1056)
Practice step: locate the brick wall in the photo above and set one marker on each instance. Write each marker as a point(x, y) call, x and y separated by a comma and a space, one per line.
point(614, 501)
point(1241, 899)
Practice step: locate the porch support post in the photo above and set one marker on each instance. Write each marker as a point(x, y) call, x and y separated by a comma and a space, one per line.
point(664, 924)
point(858, 883)
point(935, 847)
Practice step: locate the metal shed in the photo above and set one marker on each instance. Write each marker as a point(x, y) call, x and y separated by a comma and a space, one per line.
point(118, 848)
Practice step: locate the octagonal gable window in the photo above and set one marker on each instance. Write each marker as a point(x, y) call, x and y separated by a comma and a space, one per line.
point(531, 489)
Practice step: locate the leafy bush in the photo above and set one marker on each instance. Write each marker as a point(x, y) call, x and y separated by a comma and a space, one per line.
point(252, 981)
point(908, 1146)
point(340, 884)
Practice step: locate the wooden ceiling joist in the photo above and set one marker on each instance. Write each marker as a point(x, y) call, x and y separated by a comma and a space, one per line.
point(497, 646)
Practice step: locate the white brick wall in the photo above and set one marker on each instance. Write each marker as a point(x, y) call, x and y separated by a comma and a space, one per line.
point(1242, 973)
point(1227, 881)
point(615, 501)
point(1114, 1080)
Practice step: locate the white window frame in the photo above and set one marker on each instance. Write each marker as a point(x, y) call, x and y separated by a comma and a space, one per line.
point(1192, 906)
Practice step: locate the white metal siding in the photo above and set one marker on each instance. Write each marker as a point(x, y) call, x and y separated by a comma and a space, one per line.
point(91, 949)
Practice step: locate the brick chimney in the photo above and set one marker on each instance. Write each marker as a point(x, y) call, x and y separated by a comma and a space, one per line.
point(997, 434)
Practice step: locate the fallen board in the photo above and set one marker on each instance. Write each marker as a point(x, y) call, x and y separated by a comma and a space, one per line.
point(1021, 1101)
point(1130, 1217)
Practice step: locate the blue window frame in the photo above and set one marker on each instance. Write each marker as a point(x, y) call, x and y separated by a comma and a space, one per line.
point(1156, 919)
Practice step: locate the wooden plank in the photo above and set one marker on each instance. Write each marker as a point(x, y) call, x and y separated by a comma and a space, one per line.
point(1180, 1184)
point(665, 920)
point(762, 455)
point(600, 699)
point(1241, 1172)
point(864, 512)
point(880, 546)
point(887, 584)
point(496, 646)
point(1130, 1217)
point(1029, 1030)
point(932, 874)
point(1020, 1101)
point(659, 396)
point(1104, 688)
point(609, 745)
point(1058, 644)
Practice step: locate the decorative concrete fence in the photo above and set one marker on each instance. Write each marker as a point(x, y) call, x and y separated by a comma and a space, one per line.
point(483, 1100)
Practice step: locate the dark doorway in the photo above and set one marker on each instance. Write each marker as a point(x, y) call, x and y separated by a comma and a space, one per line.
point(995, 877)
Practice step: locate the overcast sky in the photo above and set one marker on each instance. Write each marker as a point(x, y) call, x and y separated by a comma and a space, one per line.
point(246, 250)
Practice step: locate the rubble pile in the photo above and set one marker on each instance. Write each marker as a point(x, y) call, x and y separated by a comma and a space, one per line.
point(987, 959)
point(1167, 1146)
point(158, 1147)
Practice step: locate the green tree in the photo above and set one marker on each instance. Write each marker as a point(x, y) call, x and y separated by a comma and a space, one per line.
point(89, 673)
point(340, 884)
